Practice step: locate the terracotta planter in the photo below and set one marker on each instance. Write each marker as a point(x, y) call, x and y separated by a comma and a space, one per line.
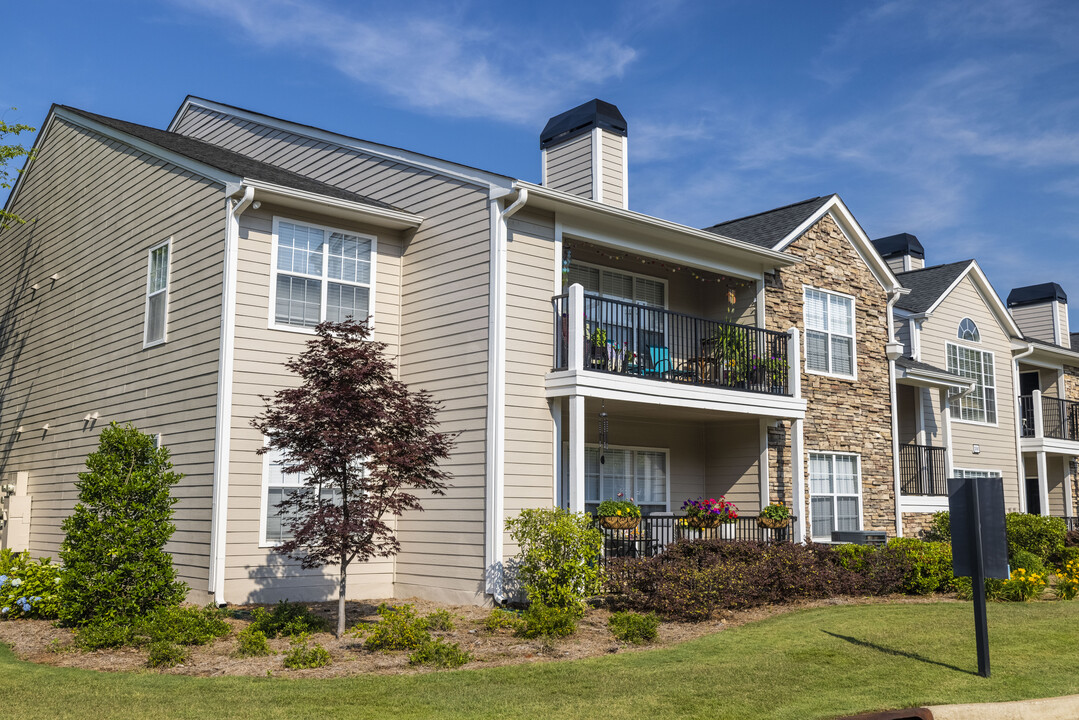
point(766, 522)
point(619, 522)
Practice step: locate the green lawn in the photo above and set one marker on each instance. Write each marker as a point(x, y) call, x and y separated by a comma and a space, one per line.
point(815, 663)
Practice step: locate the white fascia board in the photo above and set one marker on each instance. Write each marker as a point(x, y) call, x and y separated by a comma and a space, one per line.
point(231, 182)
point(1051, 357)
point(591, 217)
point(337, 207)
point(1050, 446)
point(564, 383)
point(989, 296)
point(923, 503)
point(472, 176)
point(926, 378)
point(854, 234)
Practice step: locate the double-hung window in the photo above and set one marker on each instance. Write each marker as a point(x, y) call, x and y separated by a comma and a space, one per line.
point(277, 485)
point(835, 491)
point(979, 406)
point(638, 473)
point(157, 294)
point(629, 327)
point(829, 323)
point(320, 274)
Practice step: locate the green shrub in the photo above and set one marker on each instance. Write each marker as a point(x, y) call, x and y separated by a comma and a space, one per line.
point(252, 643)
point(287, 619)
point(166, 654)
point(439, 653)
point(115, 564)
point(301, 656)
point(558, 564)
point(28, 588)
point(399, 628)
point(1067, 555)
point(102, 634)
point(634, 627)
point(940, 529)
point(440, 620)
point(930, 565)
point(539, 620)
point(181, 625)
point(500, 619)
point(1027, 561)
point(1036, 534)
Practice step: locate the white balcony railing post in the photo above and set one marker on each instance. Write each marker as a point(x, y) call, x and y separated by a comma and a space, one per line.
point(1039, 418)
point(794, 364)
point(575, 328)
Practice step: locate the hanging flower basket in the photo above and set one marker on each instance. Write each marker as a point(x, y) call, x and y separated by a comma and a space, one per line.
point(767, 522)
point(619, 522)
point(707, 521)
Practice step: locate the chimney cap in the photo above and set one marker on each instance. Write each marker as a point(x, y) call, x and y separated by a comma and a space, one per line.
point(581, 119)
point(1034, 294)
point(901, 244)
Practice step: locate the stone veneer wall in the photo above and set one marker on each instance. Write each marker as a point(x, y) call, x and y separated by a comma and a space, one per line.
point(915, 524)
point(852, 416)
point(1071, 392)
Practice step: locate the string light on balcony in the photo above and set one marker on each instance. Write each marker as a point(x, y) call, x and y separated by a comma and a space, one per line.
point(700, 275)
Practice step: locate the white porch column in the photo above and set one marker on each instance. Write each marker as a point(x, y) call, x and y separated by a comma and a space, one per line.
point(798, 481)
point(1068, 480)
point(794, 364)
point(1039, 419)
point(559, 494)
point(576, 453)
point(575, 329)
point(1043, 484)
point(762, 464)
point(946, 423)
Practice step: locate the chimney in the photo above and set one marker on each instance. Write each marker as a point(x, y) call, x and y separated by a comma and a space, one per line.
point(902, 252)
point(584, 153)
point(1041, 312)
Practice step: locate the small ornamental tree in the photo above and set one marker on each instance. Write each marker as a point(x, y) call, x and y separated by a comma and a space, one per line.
point(354, 430)
point(115, 564)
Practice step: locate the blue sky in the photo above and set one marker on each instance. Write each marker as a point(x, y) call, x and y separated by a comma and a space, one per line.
point(955, 121)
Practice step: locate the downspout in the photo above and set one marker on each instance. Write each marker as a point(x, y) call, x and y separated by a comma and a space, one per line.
point(226, 357)
point(1020, 466)
point(894, 350)
point(496, 390)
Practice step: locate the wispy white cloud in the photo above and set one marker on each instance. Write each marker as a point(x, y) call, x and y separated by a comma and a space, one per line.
point(447, 59)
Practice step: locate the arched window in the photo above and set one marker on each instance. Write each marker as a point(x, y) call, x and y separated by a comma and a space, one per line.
point(969, 331)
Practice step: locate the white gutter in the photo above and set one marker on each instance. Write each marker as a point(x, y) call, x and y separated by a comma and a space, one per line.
point(226, 358)
point(496, 397)
point(894, 351)
point(1020, 466)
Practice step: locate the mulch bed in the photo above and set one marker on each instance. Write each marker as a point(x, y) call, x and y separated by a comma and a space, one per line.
point(40, 641)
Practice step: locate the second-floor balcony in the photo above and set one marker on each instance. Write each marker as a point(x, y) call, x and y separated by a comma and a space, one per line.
point(1042, 416)
point(631, 339)
point(923, 470)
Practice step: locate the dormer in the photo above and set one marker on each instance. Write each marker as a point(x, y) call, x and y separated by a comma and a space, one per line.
point(902, 252)
point(584, 153)
point(1041, 312)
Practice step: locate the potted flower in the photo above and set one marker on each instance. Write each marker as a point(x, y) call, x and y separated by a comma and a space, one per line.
point(597, 345)
point(618, 514)
point(710, 513)
point(775, 516)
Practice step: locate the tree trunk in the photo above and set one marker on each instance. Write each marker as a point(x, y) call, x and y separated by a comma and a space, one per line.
point(341, 601)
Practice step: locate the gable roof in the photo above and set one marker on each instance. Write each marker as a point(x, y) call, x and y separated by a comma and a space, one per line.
point(226, 160)
point(771, 227)
point(928, 285)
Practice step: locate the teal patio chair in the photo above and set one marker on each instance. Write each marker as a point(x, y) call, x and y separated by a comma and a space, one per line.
point(663, 367)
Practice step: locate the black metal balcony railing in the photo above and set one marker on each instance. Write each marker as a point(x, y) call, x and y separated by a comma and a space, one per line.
point(1060, 417)
point(923, 470)
point(625, 338)
point(656, 532)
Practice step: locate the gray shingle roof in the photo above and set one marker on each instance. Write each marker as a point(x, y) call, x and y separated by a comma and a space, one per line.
point(226, 160)
point(768, 228)
point(928, 284)
point(912, 364)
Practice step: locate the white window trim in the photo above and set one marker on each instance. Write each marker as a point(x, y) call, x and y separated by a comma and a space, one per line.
point(957, 470)
point(634, 275)
point(264, 507)
point(667, 459)
point(809, 495)
point(993, 358)
point(959, 329)
point(325, 280)
point(853, 337)
point(146, 304)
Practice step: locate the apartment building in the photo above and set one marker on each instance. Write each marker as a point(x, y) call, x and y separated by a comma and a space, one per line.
point(578, 349)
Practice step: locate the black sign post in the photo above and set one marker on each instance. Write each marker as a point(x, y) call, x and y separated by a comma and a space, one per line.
point(979, 545)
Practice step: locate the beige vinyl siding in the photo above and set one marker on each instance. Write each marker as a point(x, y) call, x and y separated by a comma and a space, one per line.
point(1048, 380)
point(75, 345)
point(902, 334)
point(443, 346)
point(255, 574)
point(907, 413)
point(895, 262)
point(1035, 321)
point(569, 166)
point(917, 263)
point(1056, 467)
point(732, 465)
point(996, 442)
point(529, 448)
point(933, 417)
point(614, 166)
point(1062, 321)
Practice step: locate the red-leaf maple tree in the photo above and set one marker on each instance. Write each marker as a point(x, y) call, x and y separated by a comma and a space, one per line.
point(363, 443)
